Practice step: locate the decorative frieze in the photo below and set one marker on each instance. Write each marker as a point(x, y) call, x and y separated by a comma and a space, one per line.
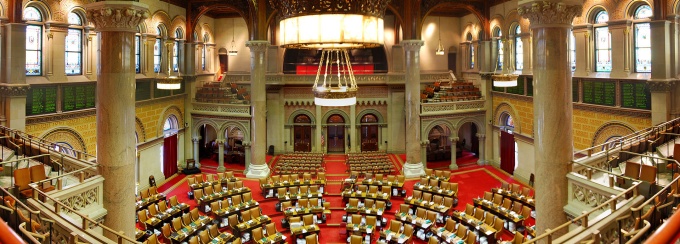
point(117, 15)
point(451, 107)
point(660, 85)
point(541, 13)
point(13, 90)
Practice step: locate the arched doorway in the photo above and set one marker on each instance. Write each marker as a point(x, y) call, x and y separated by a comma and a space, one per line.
point(467, 138)
point(207, 145)
point(508, 153)
point(439, 149)
point(234, 152)
point(170, 147)
point(302, 133)
point(335, 134)
point(369, 133)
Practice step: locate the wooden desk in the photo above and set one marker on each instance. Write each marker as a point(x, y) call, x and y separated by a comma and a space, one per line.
point(272, 188)
point(393, 236)
point(295, 197)
point(475, 224)
point(440, 178)
point(141, 235)
point(365, 211)
point(207, 199)
point(530, 202)
point(223, 238)
point(252, 224)
point(187, 231)
point(277, 237)
point(360, 229)
point(415, 203)
point(295, 211)
point(156, 222)
point(235, 209)
point(142, 204)
point(305, 230)
point(447, 237)
point(435, 190)
point(347, 194)
point(499, 211)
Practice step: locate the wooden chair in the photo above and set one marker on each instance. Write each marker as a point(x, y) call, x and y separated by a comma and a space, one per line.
point(517, 208)
point(498, 225)
point(271, 229)
point(194, 240)
point(153, 190)
point(519, 238)
point(144, 194)
point(632, 170)
point(198, 194)
point(186, 219)
point(507, 203)
point(433, 240)
point(498, 199)
point(479, 214)
point(488, 196)
point(308, 220)
point(469, 209)
point(257, 234)
point(408, 233)
point(153, 239)
point(176, 224)
point(22, 177)
point(173, 201)
point(462, 232)
point(204, 237)
point(141, 216)
point(255, 213)
point(162, 206)
point(213, 231)
point(153, 211)
point(245, 216)
point(208, 191)
point(312, 239)
point(355, 239)
point(505, 186)
point(472, 238)
point(194, 214)
point(526, 191)
point(489, 219)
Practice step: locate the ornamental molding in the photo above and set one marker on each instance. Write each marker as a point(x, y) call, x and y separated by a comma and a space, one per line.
point(225, 118)
point(412, 45)
point(512, 96)
point(453, 115)
point(660, 85)
point(637, 113)
point(14, 90)
point(117, 15)
point(549, 13)
point(291, 8)
point(258, 46)
point(39, 119)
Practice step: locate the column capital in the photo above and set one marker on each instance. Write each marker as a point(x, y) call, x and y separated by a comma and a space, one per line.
point(454, 139)
point(660, 85)
point(481, 136)
point(544, 13)
point(412, 45)
point(195, 139)
point(246, 144)
point(13, 90)
point(257, 45)
point(424, 142)
point(220, 142)
point(117, 15)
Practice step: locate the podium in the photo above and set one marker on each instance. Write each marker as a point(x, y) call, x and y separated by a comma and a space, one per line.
point(191, 167)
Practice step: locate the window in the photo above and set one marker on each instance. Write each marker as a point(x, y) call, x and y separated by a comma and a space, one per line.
point(499, 48)
point(516, 156)
point(206, 38)
point(519, 49)
point(157, 52)
point(138, 57)
point(175, 50)
point(74, 45)
point(603, 45)
point(471, 56)
point(170, 123)
point(572, 51)
point(64, 148)
point(34, 31)
point(643, 47)
point(611, 142)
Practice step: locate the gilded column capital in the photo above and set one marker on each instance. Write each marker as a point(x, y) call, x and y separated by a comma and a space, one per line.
point(14, 90)
point(481, 136)
point(454, 139)
point(117, 15)
point(258, 45)
point(195, 139)
point(246, 144)
point(660, 85)
point(412, 45)
point(544, 13)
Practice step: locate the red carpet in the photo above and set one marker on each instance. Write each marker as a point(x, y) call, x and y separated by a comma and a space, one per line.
point(473, 181)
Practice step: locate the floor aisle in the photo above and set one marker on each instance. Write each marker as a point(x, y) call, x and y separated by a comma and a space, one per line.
point(473, 181)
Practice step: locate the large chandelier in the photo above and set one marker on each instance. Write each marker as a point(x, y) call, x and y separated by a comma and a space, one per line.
point(332, 26)
point(169, 82)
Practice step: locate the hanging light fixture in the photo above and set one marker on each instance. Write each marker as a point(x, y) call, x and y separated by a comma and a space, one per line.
point(232, 51)
point(334, 28)
point(169, 82)
point(440, 48)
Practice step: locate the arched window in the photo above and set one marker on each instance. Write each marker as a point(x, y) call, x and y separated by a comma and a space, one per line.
point(206, 38)
point(611, 142)
point(157, 51)
point(74, 45)
point(471, 56)
point(138, 51)
point(643, 47)
point(175, 50)
point(572, 51)
point(499, 48)
point(170, 123)
point(34, 31)
point(65, 148)
point(519, 49)
point(603, 45)
point(507, 123)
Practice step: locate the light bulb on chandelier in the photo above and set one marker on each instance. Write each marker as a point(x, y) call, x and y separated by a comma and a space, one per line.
point(342, 90)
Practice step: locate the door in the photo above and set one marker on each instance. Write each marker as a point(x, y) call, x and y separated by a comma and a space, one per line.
point(302, 133)
point(369, 133)
point(336, 134)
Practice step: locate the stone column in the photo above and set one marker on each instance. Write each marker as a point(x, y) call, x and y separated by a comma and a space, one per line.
point(196, 151)
point(414, 163)
point(553, 138)
point(453, 165)
point(148, 42)
point(220, 155)
point(13, 89)
point(317, 132)
point(526, 43)
point(423, 152)
point(482, 142)
point(620, 30)
point(90, 53)
point(661, 81)
point(354, 140)
point(55, 61)
point(246, 147)
point(116, 22)
point(258, 122)
point(583, 44)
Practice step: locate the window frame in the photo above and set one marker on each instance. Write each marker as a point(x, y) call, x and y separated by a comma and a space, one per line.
point(79, 29)
point(206, 39)
point(572, 50)
point(40, 24)
point(500, 50)
point(518, 49)
point(641, 22)
point(138, 53)
point(158, 67)
point(471, 51)
point(601, 26)
point(176, 49)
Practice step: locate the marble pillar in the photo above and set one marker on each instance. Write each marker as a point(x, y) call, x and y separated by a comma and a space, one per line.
point(620, 30)
point(220, 155)
point(13, 89)
point(423, 152)
point(258, 123)
point(55, 60)
point(482, 142)
point(246, 147)
point(550, 23)
point(354, 140)
point(453, 164)
point(414, 163)
point(196, 151)
point(662, 80)
point(317, 133)
point(526, 43)
point(116, 107)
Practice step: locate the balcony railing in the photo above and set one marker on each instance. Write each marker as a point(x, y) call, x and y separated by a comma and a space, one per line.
point(451, 107)
point(237, 110)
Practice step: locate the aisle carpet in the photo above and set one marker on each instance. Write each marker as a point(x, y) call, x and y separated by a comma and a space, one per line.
point(473, 181)
point(466, 160)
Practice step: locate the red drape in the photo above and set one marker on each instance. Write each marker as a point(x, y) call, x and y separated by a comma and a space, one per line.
point(507, 152)
point(170, 155)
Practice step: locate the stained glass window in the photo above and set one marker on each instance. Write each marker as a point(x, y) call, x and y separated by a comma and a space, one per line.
point(572, 51)
point(519, 49)
point(643, 50)
point(157, 54)
point(206, 38)
point(603, 45)
point(175, 50)
point(33, 41)
point(74, 45)
point(138, 55)
point(499, 48)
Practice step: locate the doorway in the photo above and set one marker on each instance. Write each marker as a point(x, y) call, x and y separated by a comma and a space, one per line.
point(369, 133)
point(468, 140)
point(439, 149)
point(335, 132)
point(302, 133)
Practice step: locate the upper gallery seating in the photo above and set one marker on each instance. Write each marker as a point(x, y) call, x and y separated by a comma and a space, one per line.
point(450, 92)
point(218, 92)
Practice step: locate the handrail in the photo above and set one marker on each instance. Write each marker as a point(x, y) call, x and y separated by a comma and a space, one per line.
point(85, 219)
point(58, 178)
point(640, 232)
point(40, 141)
point(664, 190)
point(22, 159)
point(668, 232)
point(604, 171)
point(612, 201)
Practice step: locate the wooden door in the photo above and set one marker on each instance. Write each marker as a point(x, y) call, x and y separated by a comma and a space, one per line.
point(335, 134)
point(369, 138)
point(303, 138)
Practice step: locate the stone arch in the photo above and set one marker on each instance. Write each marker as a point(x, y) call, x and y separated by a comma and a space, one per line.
point(42, 7)
point(610, 129)
point(472, 29)
point(441, 123)
point(480, 17)
point(66, 134)
point(159, 17)
point(377, 114)
point(291, 118)
point(142, 27)
point(509, 109)
point(336, 111)
point(170, 110)
point(513, 19)
point(178, 22)
point(229, 124)
point(592, 11)
point(139, 128)
point(480, 125)
point(630, 8)
point(497, 22)
point(80, 11)
point(197, 126)
point(207, 30)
